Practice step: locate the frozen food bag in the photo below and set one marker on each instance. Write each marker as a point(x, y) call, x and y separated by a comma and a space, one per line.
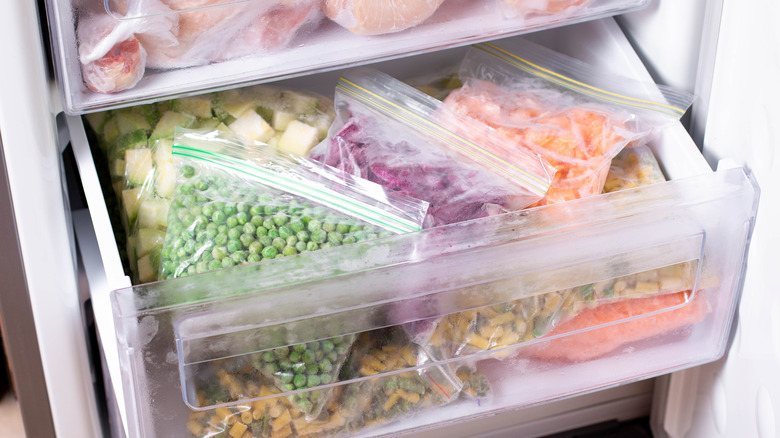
point(438, 84)
point(375, 17)
point(389, 133)
point(238, 202)
point(118, 42)
point(399, 390)
point(633, 167)
point(137, 145)
point(530, 9)
point(112, 57)
point(575, 116)
point(501, 327)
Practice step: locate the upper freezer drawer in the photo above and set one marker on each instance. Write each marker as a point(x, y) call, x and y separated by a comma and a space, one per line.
point(443, 325)
point(118, 53)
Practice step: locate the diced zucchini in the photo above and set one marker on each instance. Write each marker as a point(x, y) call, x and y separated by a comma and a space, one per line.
point(281, 119)
point(266, 113)
point(149, 112)
point(233, 103)
point(146, 239)
point(165, 180)
point(146, 271)
point(153, 213)
point(300, 103)
point(131, 140)
point(138, 166)
point(131, 199)
point(251, 126)
point(168, 122)
point(117, 168)
point(162, 151)
point(198, 106)
point(274, 141)
point(96, 121)
point(111, 131)
point(128, 120)
point(209, 124)
point(299, 138)
point(321, 121)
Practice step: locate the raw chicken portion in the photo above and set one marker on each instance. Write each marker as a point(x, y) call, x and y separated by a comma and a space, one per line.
point(544, 7)
point(375, 17)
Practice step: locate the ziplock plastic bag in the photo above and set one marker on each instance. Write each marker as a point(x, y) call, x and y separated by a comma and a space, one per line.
point(633, 167)
point(112, 57)
point(389, 133)
point(504, 325)
point(137, 143)
point(375, 17)
point(394, 394)
point(235, 204)
point(568, 112)
point(115, 49)
point(526, 9)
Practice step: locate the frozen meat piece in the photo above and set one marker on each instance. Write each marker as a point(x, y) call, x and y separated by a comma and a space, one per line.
point(544, 7)
point(208, 31)
point(374, 17)
point(119, 69)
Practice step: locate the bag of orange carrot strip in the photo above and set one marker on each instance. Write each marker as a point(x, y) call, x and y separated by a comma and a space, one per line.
point(575, 116)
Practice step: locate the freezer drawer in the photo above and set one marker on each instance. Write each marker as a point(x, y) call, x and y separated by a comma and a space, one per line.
point(180, 47)
point(678, 246)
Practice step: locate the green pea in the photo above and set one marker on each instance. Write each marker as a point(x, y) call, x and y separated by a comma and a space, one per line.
point(257, 221)
point(234, 245)
point(318, 236)
point(285, 232)
point(249, 228)
point(329, 226)
point(300, 348)
point(296, 225)
point(242, 217)
point(298, 367)
point(269, 209)
point(270, 252)
point(348, 240)
point(304, 405)
point(266, 240)
point(300, 246)
point(273, 233)
point(221, 239)
point(269, 224)
point(313, 380)
point(215, 264)
point(227, 262)
point(280, 219)
point(326, 245)
point(182, 253)
point(295, 356)
point(312, 246)
point(355, 228)
point(281, 352)
point(231, 221)
point(269, 356)
point(234, 233)
point(238, 257)
point(302, 236)
point(207, 210)
point(314, 225)
point(289, 250)
point(261, 231)
point(201, 267)
point(285, 376)
point(308, 356)
point(255, 211)
point(312, 368)
point(230, 209)
point(326, 365)
point(342, 228)
point(299, 380)
point(253, 258)
point(325, 378)
point(327, 345)
point(218, 217)
point(246, 240)
point(335, 238)
point(288, 387)
point(255, 247)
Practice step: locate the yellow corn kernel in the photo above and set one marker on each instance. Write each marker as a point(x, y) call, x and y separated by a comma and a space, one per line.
point(646, 287)
point(390, 348)
point(335, 420)
point(237, 430)
point(257, 414)
point(509, 338)
point(247, 434)
point(194, 427)
point(276, 410)
point(231, 420)
point(215, 420)
point(372, 362)
point(282, 433)
point(491, 332)
point(391, 401)
point(264, 391)
point(246, 417)
point(282, 420)
point(478, 341)
point(552, 301)
point(367, 371)
point(488, 312)
point(223, 412)
point(406, 353)
point(438, 336)
point(502, 318)
point(379, 354)
point(411, 397)
point(620, 287)
point(673, 284)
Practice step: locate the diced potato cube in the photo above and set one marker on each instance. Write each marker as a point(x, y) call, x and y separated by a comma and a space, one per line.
point(165, 180)
point(146, 272)
point(153, 213)
point(281, 119)
point(131, 199)
point(198, 106)
point(237, 430)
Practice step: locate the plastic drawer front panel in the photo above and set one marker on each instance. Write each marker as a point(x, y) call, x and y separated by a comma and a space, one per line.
point(446, 324)
point(117, 53)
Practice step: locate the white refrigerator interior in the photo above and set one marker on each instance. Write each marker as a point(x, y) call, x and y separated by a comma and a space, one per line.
point(739, 393)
